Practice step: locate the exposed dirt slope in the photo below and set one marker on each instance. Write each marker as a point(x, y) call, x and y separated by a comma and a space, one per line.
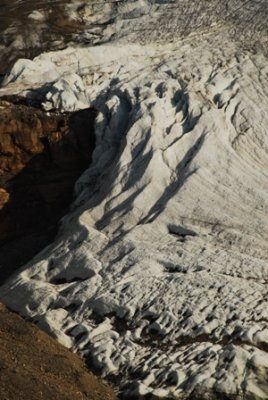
point(34, 366)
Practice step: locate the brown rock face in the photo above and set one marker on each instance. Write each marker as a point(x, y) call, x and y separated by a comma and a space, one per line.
point(41, 157)
point(23, 134)
point(34, 366)
point(4, 197)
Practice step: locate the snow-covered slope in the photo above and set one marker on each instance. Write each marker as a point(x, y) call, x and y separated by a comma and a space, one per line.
point(159, 273)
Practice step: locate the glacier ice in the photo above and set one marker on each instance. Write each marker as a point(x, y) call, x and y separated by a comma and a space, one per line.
point(159, 272)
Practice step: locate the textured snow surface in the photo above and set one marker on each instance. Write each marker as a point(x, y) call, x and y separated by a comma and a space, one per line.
point(159, 273)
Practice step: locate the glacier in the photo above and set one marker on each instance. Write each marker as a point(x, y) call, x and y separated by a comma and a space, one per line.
point(158, 275)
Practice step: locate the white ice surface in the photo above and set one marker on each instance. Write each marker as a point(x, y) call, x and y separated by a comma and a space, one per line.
point(159, 272)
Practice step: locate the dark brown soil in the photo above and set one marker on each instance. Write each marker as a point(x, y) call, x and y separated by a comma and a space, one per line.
point(33, 366)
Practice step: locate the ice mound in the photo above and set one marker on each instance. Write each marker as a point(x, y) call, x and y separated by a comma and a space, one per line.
point(159, 273)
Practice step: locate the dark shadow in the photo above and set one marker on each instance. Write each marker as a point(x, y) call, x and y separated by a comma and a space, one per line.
point(180, 231)
point(181, 101)
point(40, 194)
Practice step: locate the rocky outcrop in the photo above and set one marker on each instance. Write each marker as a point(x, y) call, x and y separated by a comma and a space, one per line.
point(24, 134)
point(41, 157)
